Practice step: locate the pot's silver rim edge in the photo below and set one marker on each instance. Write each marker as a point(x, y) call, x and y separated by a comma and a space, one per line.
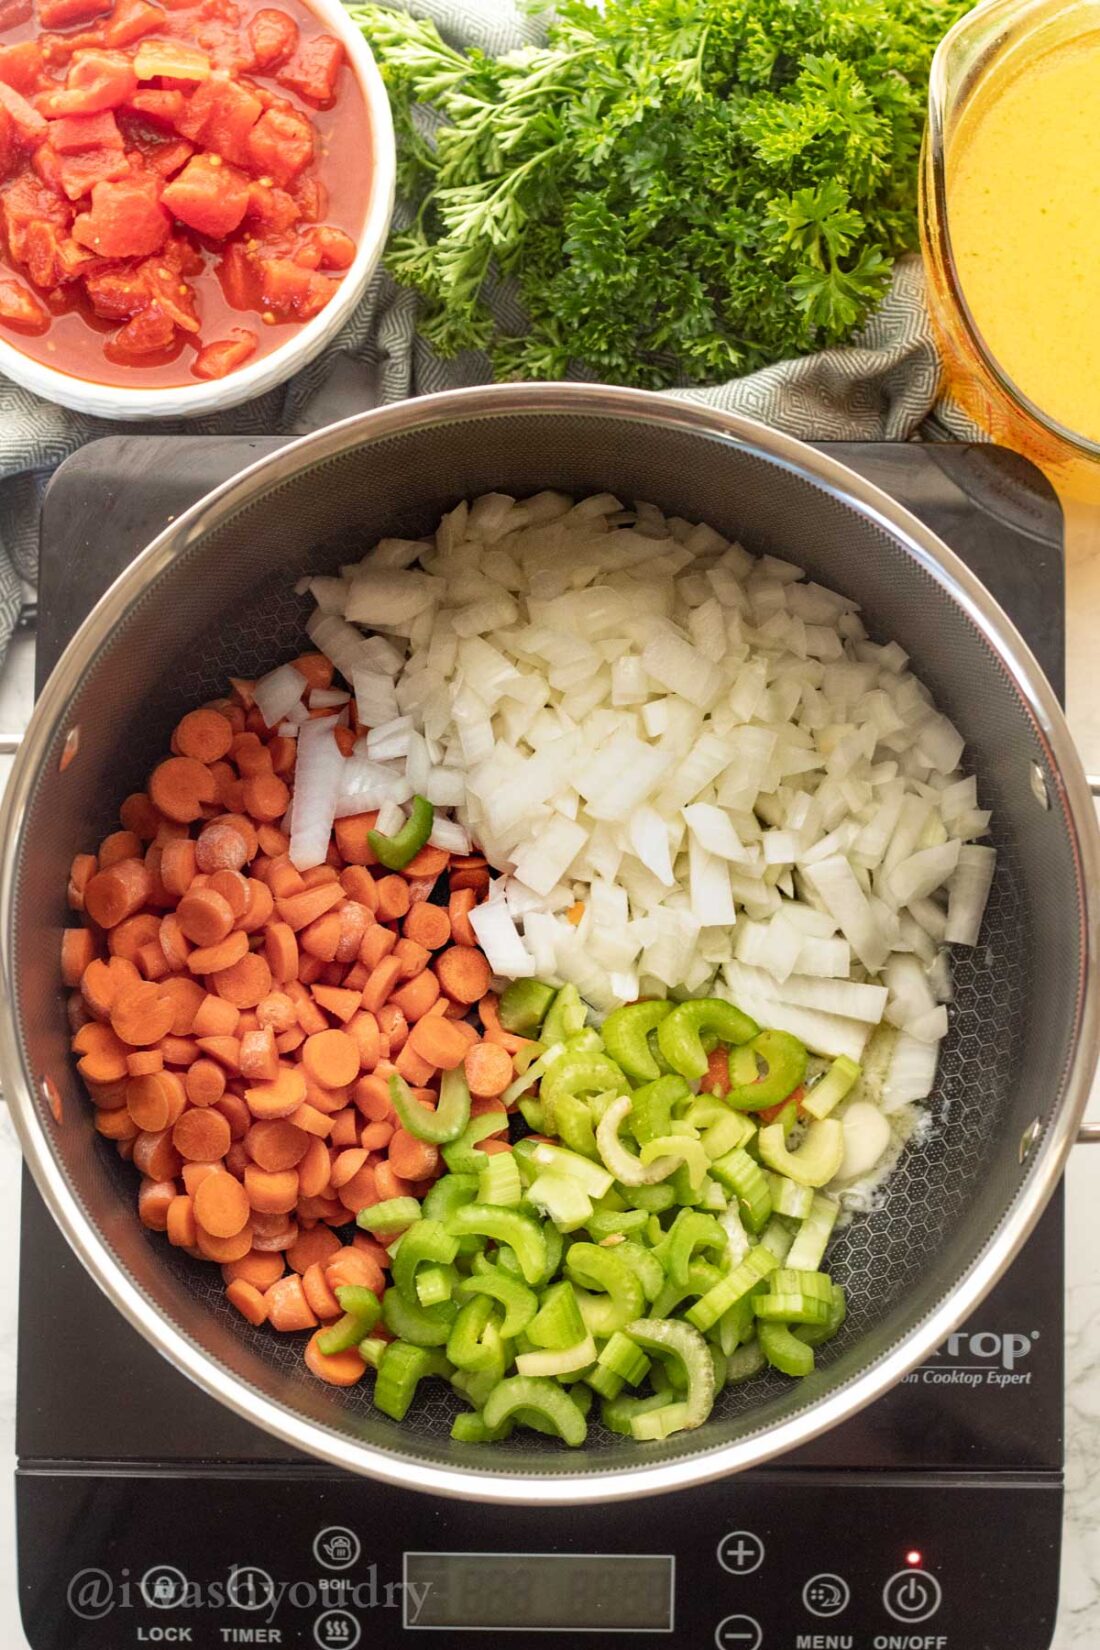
point(1048, 1158)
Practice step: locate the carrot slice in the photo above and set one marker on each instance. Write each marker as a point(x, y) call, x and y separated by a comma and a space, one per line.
point(248, 1300)
point(287, 1306)
point(221, 1206)
point(245, 982)
point(204, 1083)
point(438, 1041)
point(202, 1136)
point(222, 846)
point(488, 1069)
point(204, 734)
point(279, 1098)
point(463, 973)
point(411, 1158)
point(112, 895)
point(335, 1368)
point(205, 916)
point(331, 1058)
point(102, 1054)
point(180, 786)
point(217, 959)
point(142, 1014)
point(428, 925)
point(298, 910)
point(78, 949)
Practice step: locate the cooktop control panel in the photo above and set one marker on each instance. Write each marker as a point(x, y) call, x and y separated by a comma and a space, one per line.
point(784, 1561)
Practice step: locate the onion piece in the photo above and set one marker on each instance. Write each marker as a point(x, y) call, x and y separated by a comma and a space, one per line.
point(318, 775)
point(277, 693)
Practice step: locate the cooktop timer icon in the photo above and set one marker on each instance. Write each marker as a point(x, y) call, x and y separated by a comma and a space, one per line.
point(336, 1548)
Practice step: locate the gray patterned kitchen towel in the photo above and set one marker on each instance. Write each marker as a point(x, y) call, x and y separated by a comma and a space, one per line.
point(880, 387)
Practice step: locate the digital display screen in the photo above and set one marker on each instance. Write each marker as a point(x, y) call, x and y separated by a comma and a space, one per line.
point(540, 1592)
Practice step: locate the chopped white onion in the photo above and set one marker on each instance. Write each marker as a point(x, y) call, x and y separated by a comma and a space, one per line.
point(318, 775)
point(277, 693)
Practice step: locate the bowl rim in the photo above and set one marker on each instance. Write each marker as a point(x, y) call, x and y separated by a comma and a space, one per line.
point(192, 400)
point(1046, 1161)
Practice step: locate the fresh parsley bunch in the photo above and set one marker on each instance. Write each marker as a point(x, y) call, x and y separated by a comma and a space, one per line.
point(683, 190)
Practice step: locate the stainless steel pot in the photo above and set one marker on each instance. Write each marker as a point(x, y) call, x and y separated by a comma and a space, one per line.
point(214, 595)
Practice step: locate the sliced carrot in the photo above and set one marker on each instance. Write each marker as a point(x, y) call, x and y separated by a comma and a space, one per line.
point(216, 959)
point(119, 845)
point(260, 905)
point(411, 1158)
point(223, 1249)
point(234, 888)
point(287, 1307)
point(144, 1062)
point(375, 1137)
point(428, 925)
point(463, 973)
point(331, 1058)
point(155, 1197)
point(477, 881)
point(429, 862)
point(277, 1011)
point(276, 1145)
point(389, 1183)
point(180, 1225)
point(115, 1124)
point(488, 1068)
point(351, 838)
point(360, 1191)
point(393, 898)
point(278, 1098)
point(354, 1266)
point(179, 787)
point(287, 1041)
point(204, 1083)
point(314, 1284)
point(202, 1135)
point(413, 1067)
point(112, 895)
point(317, 1124)
point(142, 1014)
point(245, 981)
point(258, 1269)
point(321, 937)
point(313, 1170)
point(372, 1097)
point(205, 916)
point(214, 1017)
point(298, 910)
point(221, 846)
point(310, 1017)
point(271, 1192)
point(78, 949)
point(81, 871)
point(138, 814)
point(175, 947)
point(259, 1056)
point(341, 1004)
point(204, 734)
point(459, 906)
point(382, 980)
point(438, 1042)
point(225, 1050)
point(248, 1301)
point(221, 1206)
point(283, 878)
point(129, 936)
point(345, 1129)
point(102, 1054)
point(266, 796)
point(155, 1155)
point(177, 865)
point(334, 1368)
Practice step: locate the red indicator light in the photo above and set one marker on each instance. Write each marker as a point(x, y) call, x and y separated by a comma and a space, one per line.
point(914, 1557)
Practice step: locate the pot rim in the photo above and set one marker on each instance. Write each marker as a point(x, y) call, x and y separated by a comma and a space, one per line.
point(1048, 1158)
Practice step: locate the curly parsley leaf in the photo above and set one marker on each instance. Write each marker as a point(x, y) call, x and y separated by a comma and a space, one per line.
point(681, 190)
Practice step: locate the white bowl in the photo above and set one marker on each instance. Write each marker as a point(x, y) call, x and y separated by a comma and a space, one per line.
point(308, 340)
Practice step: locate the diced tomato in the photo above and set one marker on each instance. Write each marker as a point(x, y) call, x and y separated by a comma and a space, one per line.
point(76, 261)
point(311, 197)
point(271, 209)
point(14, 12)
point(181, 257)
point(25, 202)
point(168, 158)
point(74, 133)
point(165, 108)
point(20, 308)
point(313, 70)
point(280, 145)
point(208, 196)
point(62, 14)
point(233, 113)
point(21, 65)
point(150, 331)
point(47, 164)
point(225, 355)
point(130, 20)
point(289, 290)
point(126, 220)
point(117, 293)
point(173, 58)
point(273, 36)
point(42, 254)
point(174, 296)
point(237, 277)
point(77, 174)
point(191, 120)
point(9, 144)
point(96, 80)
point(330, 248)
point(29, 126)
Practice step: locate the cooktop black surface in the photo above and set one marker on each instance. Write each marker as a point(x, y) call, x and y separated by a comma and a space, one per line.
point(933, 1518)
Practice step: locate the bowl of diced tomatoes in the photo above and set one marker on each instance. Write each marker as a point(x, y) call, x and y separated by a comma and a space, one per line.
point(194, 195)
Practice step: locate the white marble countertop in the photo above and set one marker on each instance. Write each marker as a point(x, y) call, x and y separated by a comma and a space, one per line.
point(1078, 1626)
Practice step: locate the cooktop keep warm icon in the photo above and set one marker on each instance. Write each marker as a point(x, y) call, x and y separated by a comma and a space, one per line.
point(336, 1548)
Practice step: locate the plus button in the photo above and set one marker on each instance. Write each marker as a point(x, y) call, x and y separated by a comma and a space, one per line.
point(741, 1552)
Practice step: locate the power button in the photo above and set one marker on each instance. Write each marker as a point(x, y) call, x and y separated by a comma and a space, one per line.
point(912, 1595)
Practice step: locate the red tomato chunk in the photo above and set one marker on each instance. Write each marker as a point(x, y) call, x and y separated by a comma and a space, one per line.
point(165, 167)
